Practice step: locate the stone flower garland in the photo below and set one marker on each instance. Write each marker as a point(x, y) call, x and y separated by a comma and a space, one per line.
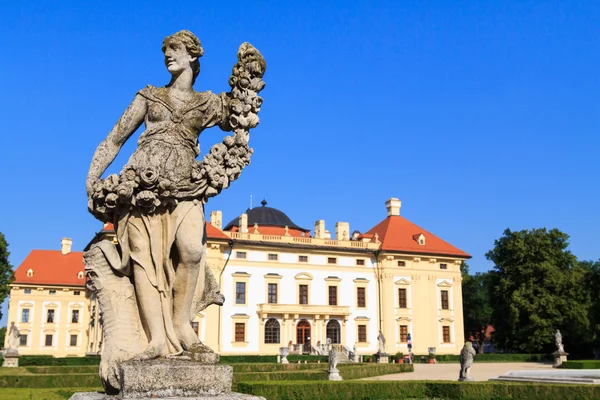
point(222, 165)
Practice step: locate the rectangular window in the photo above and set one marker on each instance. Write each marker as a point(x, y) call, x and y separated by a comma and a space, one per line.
point(401, 264)
point(443, 266)
point(303, 259)
point(240, 293)
point(52, 292)
point(360, 297)
point(272, 293)
point(48, 340)
point(73, 342)
point(240, 332)
point(403, 333)
point(272, 257)
point(25, 315)
point(22, 340)
point(333, 295)
point(303, 298)
point(27, 291)
point(446, 334)
point(360, 261)
point(331, 260)
point(50, 318)
point(76, 292)
point(195, 327)
point(402, 298)
point(75, 317)
point(362, 333)
point(445, 305)
point(240, 254)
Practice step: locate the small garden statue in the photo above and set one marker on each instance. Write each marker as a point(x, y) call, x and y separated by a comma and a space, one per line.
point(558, 341)
point(334, 373)
point(381, 343)
point(13, 338)
point(466, 361)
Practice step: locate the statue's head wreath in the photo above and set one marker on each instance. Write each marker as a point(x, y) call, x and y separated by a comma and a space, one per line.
point(192, 45)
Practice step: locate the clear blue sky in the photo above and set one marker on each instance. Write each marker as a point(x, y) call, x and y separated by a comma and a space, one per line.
point(478, 115)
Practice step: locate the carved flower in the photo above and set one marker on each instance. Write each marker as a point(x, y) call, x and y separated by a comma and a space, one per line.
point(228, 141)
point(147, 199)
point(111, 182)
point(197, 172)
point(256, 103)
point(149, 177)
point(128, 175)
point(125, 190)
point(111, 200)
point(217, 177)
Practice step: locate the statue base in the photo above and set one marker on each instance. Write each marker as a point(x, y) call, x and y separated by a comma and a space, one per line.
point(559, 358)
point(466, 379)
point(383, 358)
point(334, 375)
point(11, 360)
point(172, 379)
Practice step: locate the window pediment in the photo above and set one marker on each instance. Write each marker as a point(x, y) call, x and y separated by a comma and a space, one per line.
point(444, 284)
point(304, 275)
point(402, 281)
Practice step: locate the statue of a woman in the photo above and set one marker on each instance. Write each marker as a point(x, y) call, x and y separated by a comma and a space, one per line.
point(157, 201)
point(13, 338)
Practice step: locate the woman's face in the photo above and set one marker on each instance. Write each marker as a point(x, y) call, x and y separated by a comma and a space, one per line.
point(177, 59)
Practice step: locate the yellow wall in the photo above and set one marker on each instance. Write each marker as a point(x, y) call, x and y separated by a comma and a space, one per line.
point(38, 302)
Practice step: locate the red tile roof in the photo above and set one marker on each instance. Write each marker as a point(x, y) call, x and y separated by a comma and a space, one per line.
point(396, 233)
point(51, 267)
point(211, 231)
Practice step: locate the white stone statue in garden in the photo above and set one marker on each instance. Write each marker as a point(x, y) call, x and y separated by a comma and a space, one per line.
point(155, 282)
point(466, 361)
point(13, 338)
point(558, 341)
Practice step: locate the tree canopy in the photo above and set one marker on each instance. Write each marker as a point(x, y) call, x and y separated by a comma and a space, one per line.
point(6, 272)
point(477, 310)
point(536, 289)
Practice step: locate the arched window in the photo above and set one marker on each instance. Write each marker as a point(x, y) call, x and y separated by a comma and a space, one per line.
point(334, 331)
point(272, 331)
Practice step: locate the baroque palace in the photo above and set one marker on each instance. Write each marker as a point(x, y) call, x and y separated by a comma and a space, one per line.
point(283, 287)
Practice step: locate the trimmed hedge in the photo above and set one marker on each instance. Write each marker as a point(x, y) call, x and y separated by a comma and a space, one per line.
point(43, 394)
point(50, 381)
point(584, 364)
point(346, 371)
point(373, 390)
point(490, 357)
point(274, 367)
point(81, 369)
point(26, 361)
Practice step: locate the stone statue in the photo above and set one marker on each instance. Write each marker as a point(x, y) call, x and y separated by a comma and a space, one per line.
point(155, 282)
point(381, 343)
point(334, 373)
point(558, 341)
point(13, 338)
point(466, 361)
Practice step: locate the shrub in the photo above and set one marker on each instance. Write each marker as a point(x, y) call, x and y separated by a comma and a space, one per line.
point(373, 390)
point(81, 369)
point(50, 381)
point(25, 361)
point(584, 364)
point(490, 357)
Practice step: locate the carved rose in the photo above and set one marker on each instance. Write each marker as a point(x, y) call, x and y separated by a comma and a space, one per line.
point(229, 141)
point(128, 175)
point(111, 182)
point(111, 200)
point(147, 199)
point(124, 191)
point(149, 177)
point(217, 177)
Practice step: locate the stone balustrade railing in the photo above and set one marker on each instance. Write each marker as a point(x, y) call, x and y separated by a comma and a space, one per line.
point(350, 244)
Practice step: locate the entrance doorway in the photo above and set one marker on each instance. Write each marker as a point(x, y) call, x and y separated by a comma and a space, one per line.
point(303, 335)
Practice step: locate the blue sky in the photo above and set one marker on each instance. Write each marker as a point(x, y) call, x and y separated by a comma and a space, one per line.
point(478, 115)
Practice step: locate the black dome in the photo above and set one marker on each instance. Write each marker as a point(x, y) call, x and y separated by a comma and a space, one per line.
point(265, 216)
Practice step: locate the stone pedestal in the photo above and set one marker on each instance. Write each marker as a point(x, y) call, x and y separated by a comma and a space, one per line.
point(559, 358)
point(172, 379)
point(11, 360)
point(334, 375)
point(466, 379)
point(284, 352)
point(383, 358)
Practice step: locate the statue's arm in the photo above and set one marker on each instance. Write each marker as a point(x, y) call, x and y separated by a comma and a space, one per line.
point(108, 149)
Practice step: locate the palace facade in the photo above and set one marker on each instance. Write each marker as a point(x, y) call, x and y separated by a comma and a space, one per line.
point(283, 286)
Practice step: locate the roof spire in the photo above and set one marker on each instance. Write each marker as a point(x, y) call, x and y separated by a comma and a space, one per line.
point(263, 202)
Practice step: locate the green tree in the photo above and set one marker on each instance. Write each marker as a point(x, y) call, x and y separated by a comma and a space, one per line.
point(477, 310)
point(536, 289)
point(591, 284)
point(2, 336)
point(6, 273)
